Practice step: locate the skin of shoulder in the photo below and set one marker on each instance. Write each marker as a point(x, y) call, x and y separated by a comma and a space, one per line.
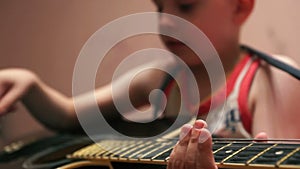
point(273, 101)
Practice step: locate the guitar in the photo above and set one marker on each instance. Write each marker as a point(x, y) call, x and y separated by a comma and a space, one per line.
point(244, 154)
point(41, 153)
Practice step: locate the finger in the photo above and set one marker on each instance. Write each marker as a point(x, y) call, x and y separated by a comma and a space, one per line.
point(199, 124)
point(8, 100)
point(185, 130)
point(205, 157)
point(178, 153)
point(2, 90)
point(192, 149)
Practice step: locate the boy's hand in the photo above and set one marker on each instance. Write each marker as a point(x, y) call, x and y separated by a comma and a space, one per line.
point(14, 84)
point(194, 150)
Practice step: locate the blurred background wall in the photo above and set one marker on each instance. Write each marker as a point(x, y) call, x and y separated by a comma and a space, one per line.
point(274, 27)
point(46, 36)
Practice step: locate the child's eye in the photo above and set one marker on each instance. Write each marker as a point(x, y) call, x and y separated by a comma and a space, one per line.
point(158, 5)
point(186, 7)
point(159, 9)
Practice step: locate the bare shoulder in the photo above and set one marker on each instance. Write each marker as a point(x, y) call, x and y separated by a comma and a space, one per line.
point(274, 83)
point(277, 77)
point(274, 93)
point(274, 78)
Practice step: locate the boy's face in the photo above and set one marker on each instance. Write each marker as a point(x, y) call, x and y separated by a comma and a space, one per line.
point(213, 17)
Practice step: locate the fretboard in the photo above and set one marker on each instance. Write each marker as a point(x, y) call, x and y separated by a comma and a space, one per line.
point(228, 154)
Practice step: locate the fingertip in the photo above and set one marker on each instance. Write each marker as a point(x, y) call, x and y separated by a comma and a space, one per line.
point(199, 124)
point(204, 135)
point(185, 129)
point(5, 109)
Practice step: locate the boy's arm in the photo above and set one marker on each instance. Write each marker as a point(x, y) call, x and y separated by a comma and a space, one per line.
point(56, 110)
point(52, 108)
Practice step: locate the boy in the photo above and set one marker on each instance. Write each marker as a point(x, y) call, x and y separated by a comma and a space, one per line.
point(266, 97)
point(268, 101)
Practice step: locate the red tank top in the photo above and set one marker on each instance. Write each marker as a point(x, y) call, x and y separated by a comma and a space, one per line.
point(231, 118)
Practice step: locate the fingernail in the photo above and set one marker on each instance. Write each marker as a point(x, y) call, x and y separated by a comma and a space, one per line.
point(204, 135)
point(185, 130)
point(199, 124)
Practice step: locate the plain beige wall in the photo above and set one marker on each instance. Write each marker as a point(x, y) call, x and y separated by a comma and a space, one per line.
point(274, 27)
point(46, 36)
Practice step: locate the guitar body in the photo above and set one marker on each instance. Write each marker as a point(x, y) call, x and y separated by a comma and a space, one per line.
point(45, 153)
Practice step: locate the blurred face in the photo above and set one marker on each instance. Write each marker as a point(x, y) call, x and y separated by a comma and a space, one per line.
point(212, 17)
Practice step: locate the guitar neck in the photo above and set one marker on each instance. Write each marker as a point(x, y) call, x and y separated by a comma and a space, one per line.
point(228, 154)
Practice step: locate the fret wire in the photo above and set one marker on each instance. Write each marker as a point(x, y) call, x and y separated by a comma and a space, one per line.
point(161, 153)
point(141, 145)
point(114, 145)
point(109, 152)
point(287, 156)
point(126, 148)
point(82, 150)
point(79, 152)
point(161, 146)
point(109, 148)
point(95, 150)
point(100, 149)
point(117, 147)
point(85, 151)
point(106, 147)
point(100, 152)
point(141, 150)
point(259, 154)
point(233, 154)
point(221, 148)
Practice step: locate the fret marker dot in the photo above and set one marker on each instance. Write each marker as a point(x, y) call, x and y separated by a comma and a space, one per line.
point(279, 152)
point(228, 151)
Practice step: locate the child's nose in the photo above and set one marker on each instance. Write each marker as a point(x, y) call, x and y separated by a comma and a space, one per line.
point(166, 22)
